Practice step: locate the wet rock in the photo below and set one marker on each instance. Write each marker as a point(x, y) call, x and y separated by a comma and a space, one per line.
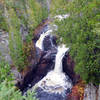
point(50, 55)
point(37, 36)
point(39, 54)
point(44, 63)
point(41, 26)
point(49, 42)
point(45, 57)
point(35, 76)
point(68, 68)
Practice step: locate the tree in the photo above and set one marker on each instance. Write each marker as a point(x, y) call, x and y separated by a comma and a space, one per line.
point(81, 32)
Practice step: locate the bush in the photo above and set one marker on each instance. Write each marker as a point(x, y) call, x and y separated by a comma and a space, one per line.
point(15, 40)
point(9, 92)
point(7, 89)
point(28, 14)
point(58, 7)
point(3, 24)
point(4, 70)
point(13, 15)
point(81, 32)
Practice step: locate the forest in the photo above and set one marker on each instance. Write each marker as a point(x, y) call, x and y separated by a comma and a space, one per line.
point(32, 33)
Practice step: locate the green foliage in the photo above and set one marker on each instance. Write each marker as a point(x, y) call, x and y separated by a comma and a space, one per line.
point(35, 14)
point(15, 41)
point(13, 14)
point(7, 89)
point(3, 24)
point(58, 7)
point(9, 92)
point(29, 14)
point(81, 32)
point(4, 70)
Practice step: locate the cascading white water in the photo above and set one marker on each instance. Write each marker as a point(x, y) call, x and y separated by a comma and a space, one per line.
point(39, 43)
point(58, 62)
point(56, 81)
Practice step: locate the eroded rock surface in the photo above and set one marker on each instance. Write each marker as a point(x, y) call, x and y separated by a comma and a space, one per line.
point(91, 92)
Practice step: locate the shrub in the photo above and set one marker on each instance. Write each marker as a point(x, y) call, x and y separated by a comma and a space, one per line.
point(82, 34)
point(15, 41)
point(7, 89)
point(58, 7)
point(3, 24)
point(4, 70)
point(28, 14)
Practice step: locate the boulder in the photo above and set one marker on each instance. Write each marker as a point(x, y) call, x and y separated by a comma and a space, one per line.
point(90, 92)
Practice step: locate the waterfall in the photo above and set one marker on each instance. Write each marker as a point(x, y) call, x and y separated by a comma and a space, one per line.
point(56, 81)
point(39, 43)
point(58, 62)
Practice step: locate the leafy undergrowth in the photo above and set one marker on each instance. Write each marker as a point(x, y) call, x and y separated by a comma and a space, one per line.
point(8, 91)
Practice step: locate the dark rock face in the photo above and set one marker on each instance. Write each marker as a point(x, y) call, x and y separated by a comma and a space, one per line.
point(68, 68)
point(49, 43)
point(50, 55)
point(45, 63)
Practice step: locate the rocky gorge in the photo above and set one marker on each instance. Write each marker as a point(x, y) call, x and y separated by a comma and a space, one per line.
point(51, 73)
point(48, 66)
point(47, 63)
point(43, 77)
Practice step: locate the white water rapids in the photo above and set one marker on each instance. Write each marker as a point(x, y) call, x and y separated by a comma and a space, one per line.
point(55, 81)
